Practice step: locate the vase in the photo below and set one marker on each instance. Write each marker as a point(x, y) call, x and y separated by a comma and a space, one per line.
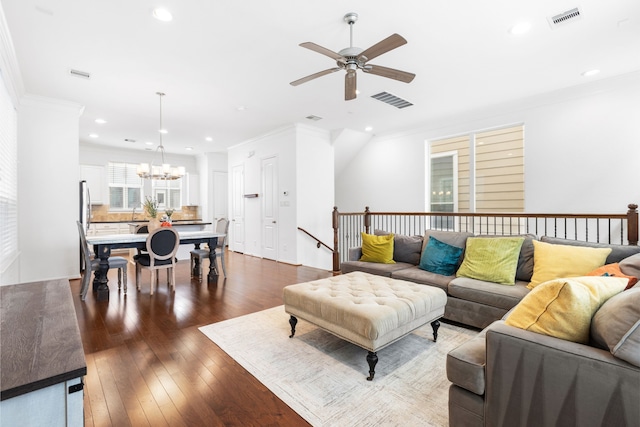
point(154, 224)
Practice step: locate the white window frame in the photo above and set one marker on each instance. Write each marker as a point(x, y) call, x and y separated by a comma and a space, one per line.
point(125, 187)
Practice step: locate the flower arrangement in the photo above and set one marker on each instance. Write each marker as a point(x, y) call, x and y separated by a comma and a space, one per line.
point(169, 212)
point(151, 207)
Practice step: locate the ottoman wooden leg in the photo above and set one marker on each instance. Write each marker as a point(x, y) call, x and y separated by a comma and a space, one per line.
point(293, 321)
point(435, 325)
point(372, 360)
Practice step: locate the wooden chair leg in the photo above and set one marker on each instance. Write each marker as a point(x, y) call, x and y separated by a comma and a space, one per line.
point(119, 278)
point(222, 261)
point(138, 268)
point(153, 279)
point(124, 273)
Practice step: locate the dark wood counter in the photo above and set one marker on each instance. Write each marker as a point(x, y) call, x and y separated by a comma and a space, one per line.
point(40, 342)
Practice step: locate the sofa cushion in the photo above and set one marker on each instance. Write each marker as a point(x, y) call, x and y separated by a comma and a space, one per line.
point(613, 270)
point(453, 238)
point(488, 293)
point(618, 252)
point(373, 267)
point(616, 326)
point(563, 308)
point(377, 248)
point(553, 261)
point(439, 257)
point(631, 265)
point(492, 260)
point(417, 275)
point(465, 364)
point(525, 260)
point(405, 248)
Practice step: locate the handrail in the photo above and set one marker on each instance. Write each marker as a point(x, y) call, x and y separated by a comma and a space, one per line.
point(319, 243)
point(577, 226)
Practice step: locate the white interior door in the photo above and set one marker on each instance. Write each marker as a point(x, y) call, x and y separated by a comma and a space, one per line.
point(270, 208)
point(236, 229)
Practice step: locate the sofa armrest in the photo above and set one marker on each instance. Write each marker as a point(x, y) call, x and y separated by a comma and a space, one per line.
point(537, 379)
point(355, 253)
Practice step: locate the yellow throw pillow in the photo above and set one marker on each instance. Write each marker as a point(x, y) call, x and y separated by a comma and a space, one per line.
point(555, 261)
point(563, 308)
point(377, 248)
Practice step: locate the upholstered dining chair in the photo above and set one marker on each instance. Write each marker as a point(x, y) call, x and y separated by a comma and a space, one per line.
point(162, 245)
point(92, 264)
point(222, 226)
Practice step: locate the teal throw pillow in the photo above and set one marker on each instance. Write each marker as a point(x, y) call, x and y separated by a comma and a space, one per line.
point(440, 258)
point(492, 260)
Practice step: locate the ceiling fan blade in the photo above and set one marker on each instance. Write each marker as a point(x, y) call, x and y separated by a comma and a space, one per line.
point(323, 50)
point(384, 46)
point(391, 73)
point(350, 85)
point(314, 76)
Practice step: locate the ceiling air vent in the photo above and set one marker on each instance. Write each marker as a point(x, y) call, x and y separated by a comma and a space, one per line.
point(78, 73)
point(390, 99)
point(564, 17)
point(314, 118)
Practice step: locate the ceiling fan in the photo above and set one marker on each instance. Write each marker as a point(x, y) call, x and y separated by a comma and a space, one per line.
point(354, 58)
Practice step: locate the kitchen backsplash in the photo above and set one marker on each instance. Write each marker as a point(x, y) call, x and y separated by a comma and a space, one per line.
point(100, 213)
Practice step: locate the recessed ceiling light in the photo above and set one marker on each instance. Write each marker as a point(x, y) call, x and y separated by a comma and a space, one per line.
point(93, 135)
point(520, 28)
point(162, 14)
point(163, 131)
point(100, 121)
point(590, 73)
point(209, 139)
point(149, 143)
point(188, 148)
point(368, 129)
point(241, 108)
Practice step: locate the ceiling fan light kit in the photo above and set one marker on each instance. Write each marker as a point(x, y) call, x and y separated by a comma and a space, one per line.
point(352, 59)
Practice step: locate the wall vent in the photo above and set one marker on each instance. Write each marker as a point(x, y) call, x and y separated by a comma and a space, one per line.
point(564, 17)
point(314, 118)
point(391, 99)
point(78, 73)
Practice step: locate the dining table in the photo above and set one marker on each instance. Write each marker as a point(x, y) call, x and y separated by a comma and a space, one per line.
point(103, 244)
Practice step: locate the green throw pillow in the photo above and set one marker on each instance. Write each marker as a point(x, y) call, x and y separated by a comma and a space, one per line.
point(377, 248)
point(440, 258)
point(492, 260)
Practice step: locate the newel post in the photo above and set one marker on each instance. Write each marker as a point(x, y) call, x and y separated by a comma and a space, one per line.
point(367, 220)
point(335, 223)
point(632, 224)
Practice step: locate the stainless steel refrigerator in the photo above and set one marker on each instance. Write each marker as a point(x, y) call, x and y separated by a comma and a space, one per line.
point(85, 214)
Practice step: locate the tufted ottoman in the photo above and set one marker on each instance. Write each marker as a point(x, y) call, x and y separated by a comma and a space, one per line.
point(367, 310)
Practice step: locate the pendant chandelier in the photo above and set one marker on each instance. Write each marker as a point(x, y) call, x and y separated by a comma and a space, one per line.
point(164, 170)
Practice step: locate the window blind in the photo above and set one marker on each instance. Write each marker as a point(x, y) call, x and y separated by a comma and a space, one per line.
point(8, 179)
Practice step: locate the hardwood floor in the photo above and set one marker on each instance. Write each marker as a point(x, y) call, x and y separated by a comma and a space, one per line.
point(148, 364)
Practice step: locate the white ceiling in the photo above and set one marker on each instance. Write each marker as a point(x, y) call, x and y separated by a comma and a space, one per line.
point(217, 56)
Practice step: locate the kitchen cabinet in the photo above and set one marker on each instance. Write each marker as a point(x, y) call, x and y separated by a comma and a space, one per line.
point(102, 228)
point(41, 355)
point(95, 177)
point(192, 189)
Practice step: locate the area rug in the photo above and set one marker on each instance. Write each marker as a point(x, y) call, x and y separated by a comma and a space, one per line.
point(323, 378)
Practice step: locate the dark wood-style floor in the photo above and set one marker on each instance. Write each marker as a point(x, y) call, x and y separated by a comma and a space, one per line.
point(148, 364)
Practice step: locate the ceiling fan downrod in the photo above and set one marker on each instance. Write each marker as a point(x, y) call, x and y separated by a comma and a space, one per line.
point(351, 19)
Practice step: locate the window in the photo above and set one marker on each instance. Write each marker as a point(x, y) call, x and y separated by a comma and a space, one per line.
point(168, 193)
point(484, 171)
point(8, 179)
point(125, 186)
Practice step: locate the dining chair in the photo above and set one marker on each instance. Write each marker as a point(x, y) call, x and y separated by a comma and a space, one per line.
point(93, 263)
point(162, 245)
point(222, 226)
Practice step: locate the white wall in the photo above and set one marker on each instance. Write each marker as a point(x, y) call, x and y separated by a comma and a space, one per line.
point(315, 195)
point(305, 172)
point(208, 165)
point(48, 178)
point(582, 146)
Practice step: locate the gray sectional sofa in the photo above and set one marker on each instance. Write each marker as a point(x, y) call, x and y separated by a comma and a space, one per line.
point(508, 376)
point(469, 301)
